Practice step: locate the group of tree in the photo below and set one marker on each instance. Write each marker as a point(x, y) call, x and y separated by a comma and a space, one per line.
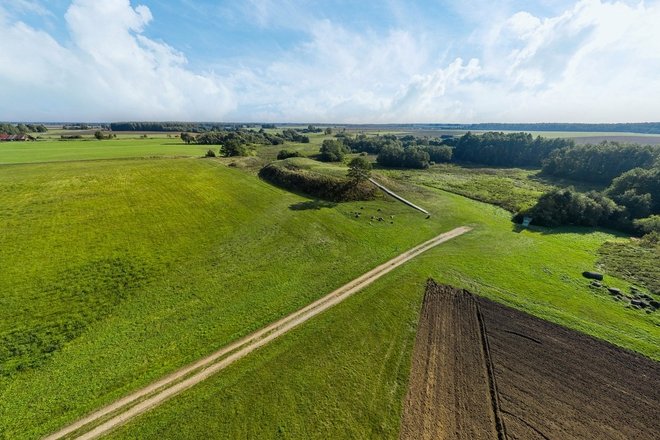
point(285, 154)
point(392, 151)
point(291, 135)
point(22, 128)
point(193, 127)
point(600, 163)
point(397, 156)
point(333, 150)
point(311, 129)
point(506, 149)
point(101, 135)
point(631, 203)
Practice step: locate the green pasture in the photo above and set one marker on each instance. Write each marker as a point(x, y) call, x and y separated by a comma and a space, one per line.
point(344, 374)
point(90, 149)
point(117, 272)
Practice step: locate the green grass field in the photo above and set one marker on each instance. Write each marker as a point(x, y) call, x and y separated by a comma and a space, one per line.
point(116, 272)
point(88, 149)
point(332, 380)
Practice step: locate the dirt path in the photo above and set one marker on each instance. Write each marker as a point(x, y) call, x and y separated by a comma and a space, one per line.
point(123, 410)
point(450, 394)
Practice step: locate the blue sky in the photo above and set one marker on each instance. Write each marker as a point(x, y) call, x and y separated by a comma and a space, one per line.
point(330, 61)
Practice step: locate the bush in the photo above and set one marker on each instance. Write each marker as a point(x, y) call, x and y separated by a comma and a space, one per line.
point(210, 153)
point(562, 207)
point(648, 225)
point(332, 151)
point(318, 185)
point(285, 154)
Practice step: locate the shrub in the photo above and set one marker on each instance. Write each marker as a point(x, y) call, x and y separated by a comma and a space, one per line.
point(568, 207)
point(210, 153)
point(332, 151)
point(318, 185)
point(285, 154)
point(648, 225)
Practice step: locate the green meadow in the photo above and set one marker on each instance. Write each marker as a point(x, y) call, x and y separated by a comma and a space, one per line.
point(117, 272)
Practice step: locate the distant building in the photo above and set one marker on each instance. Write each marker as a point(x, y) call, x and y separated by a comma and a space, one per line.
point(15, 137)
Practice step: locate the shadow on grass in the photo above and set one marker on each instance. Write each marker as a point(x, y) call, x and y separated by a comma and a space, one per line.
point(312, 204)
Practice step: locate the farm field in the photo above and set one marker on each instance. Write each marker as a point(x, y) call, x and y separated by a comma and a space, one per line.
point(326, 371)
point(90, 149)
point(557, 383)
point(121, 271)
point(449, 391)
point(547, 381)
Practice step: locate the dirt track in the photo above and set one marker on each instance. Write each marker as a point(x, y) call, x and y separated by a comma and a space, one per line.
point(123, 410)
point(546, 382)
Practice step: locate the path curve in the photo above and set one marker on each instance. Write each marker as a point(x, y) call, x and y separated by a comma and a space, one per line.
point(121, 411)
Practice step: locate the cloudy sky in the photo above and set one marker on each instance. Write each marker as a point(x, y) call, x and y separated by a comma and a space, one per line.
point(330, 60)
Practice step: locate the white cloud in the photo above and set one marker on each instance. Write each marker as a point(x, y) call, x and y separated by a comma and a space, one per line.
point(110, 71)
point(595, 61)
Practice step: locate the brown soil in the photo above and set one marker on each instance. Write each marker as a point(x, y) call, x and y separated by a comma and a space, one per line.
point(556, 383)
point(449, 396)
point(546, 382)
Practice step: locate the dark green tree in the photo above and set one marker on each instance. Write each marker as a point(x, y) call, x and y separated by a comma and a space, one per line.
point(359, 169)
point(332, 151)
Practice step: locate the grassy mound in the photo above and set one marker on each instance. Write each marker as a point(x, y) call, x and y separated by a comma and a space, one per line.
point(287, 174)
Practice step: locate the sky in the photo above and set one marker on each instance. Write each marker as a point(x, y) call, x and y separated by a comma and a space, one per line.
point(330, 61)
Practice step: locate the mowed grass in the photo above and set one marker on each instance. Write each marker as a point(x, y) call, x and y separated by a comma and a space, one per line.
point(117, 272)
point(122, 271)
point(88, 149)
point(344, 373)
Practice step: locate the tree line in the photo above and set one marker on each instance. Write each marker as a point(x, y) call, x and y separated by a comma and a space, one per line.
point(392, 151)
point(22, 128)
point(641, 127)
point(599, 163)
point(193, 127)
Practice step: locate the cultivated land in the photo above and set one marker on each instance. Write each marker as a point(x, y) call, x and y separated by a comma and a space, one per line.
point(484, 370)
point(558, 383)
point(449, 393)
point(118, 272)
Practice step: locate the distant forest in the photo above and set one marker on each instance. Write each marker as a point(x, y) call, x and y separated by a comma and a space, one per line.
point(193, 127)
point(634, 127)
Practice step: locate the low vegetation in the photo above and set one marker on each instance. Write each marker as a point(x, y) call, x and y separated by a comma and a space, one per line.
point(327, 187)
point(634, 260)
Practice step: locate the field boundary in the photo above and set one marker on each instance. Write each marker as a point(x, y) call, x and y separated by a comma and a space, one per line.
point(121, 411)
point(398, 197)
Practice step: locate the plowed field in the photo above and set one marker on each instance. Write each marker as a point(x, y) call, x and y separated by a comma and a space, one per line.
point(556, 383)
point(449, 396)
point(484, 370)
